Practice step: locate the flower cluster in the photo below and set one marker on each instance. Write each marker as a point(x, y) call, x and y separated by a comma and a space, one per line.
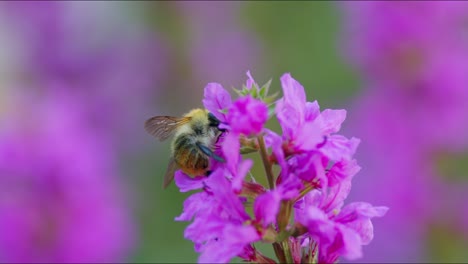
point(301, 212)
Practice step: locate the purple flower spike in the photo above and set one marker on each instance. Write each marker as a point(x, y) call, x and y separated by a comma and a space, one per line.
point(315, 166)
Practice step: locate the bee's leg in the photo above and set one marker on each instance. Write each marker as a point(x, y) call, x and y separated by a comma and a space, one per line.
point(218, 137)
point(208, 173)
point(207, 151)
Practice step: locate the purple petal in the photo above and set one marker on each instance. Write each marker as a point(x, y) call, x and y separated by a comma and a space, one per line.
point(289, 188)
point(288, 117)
point(229, 202)
point(232, 243)
point(187, 183)
point(247, 115)
point(193, 204)
point(248, 253)
point(293, 92)
point(342, 170)
point(339, 147)
point(307, 166)
point(266, 207)
point(312, 111)
point(312, 217)
point(357, 217)
point(274, 141)
point(361, 210)
point(242, 171)
point(336, 196)
point(241, 235)
point(231, 151)
point(364, 228)
point(290, 110)
point(330, 120)
point(250, 81)
point(216, 99)
point(204, 228)
point(308, 137)
point(312, 199)
point(350, 242)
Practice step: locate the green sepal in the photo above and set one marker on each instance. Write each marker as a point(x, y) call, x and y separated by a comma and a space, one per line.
point(271, 110)
point(264, 90)
point(270, 99)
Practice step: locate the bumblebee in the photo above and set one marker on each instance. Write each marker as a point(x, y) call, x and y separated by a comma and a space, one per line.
point(195, 135)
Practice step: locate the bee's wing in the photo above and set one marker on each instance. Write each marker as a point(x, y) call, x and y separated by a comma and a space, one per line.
point(169, 176)
point(162, 127)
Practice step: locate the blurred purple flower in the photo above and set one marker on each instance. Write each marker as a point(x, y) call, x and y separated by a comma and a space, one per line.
point(60, 200)
point(103, 57)
point(218, 51)
point(413, 59)
point(414, 54)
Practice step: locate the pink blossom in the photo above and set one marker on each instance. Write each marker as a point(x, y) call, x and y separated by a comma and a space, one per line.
point(241, 119)
point(217, 100)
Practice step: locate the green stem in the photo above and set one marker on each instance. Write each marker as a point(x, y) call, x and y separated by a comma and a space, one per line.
point(279, 252)
point(266, 162)
point(307, 188)
point(284, 215)
point(287, 251)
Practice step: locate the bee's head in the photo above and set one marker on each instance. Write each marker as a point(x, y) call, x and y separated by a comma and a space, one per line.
point(214, 122)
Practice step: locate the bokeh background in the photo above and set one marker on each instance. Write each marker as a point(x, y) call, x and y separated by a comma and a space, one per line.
point(81, 181)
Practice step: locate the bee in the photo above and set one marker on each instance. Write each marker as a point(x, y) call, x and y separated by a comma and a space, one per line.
point(195, 135)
